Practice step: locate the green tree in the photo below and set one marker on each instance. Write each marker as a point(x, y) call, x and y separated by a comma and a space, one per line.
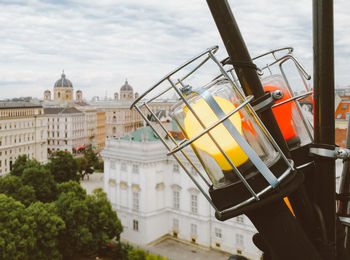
point(137, 254)
point(22, 163)
point(47, 230)
point(83, 166)
point(63, 167)
point(42, 181)
point(16, 230)
point(13, 187)
point(90, 221)
point(103, 221)
point(74, 187)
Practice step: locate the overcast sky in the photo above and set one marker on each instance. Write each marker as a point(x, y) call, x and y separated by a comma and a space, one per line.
point(101, 43)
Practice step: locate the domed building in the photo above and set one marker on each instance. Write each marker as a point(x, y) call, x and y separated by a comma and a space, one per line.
point(126, 91)
point(63, 89)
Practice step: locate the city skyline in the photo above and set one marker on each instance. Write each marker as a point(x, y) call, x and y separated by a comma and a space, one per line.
point(99, 45)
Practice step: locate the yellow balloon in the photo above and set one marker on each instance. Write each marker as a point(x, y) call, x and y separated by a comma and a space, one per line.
point(221, 135)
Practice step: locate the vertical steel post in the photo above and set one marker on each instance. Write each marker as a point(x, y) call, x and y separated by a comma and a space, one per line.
point(323, 188)
point(284, 236)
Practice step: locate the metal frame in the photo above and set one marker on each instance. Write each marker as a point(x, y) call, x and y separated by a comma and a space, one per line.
point(280, 61)
point(207, 55)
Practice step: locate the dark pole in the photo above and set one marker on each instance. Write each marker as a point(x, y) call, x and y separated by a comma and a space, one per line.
point(283, 235)
point(323, 188)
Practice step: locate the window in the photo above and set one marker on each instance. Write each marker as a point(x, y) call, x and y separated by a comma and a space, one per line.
point(123, 167)
point(135, 200)
point(344, 106)
point(175, 224)
point(193, 230)
point(239, 240)
point(218, 233)
point(112, 165)
point(175, 167)
point(135, 168)
point(176, 199)
point(339, 116)
point(135, 225)
point(194, 204)
point(240, 219)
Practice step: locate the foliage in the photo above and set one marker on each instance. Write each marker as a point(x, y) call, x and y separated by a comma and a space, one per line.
point(16, 229)
point(42, 181)
point(13, 187)
point(63, 167)
point(90, 221)
point(122, 251)
point(47, 230)
point(22, 163)
point(72, 186)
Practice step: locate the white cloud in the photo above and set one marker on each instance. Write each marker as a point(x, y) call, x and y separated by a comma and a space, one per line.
point(100, 43)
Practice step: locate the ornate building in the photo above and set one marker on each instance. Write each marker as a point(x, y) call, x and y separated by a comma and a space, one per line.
point(120, 120)
point(63, 91)
point(23, 130)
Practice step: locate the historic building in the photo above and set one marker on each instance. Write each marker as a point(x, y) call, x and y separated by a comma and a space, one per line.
point(23, 130)
point(66, 129)
point(63, 91)
point(120, 120)
point(154, 197)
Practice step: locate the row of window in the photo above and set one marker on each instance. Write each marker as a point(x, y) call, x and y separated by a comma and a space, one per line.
point(14, 139)
point(217, 232)
point(20, 112)
point(123, 167)
point(16, 125)
point(194, 202)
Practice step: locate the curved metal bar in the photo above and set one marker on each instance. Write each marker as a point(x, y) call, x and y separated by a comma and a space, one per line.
point(167, 77)
point(293, 98)
point(290, 50)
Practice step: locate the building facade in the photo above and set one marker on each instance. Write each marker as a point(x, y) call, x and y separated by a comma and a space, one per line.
point(23, 130)
point(154, 197)
point(66, 129)
point(120, 120)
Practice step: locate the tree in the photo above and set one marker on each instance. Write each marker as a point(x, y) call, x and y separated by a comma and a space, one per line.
point(103, 221)
point(16, 230)
point(90, 221)
point(83, 165)
point(63, 167)
point(13, 187)
point(42, 181)
point(48, 228)
point(90, 156)
point(22, 163)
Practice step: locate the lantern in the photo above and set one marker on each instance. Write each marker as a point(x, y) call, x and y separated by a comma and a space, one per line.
point(241, 160)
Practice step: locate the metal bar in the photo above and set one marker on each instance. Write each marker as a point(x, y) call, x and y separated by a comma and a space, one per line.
point(288, 241)
point(323, 187)
point(174, 141)
point(344, 208)
point(179, 161)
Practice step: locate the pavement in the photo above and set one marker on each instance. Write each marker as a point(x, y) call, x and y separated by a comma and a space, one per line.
point(93, 182)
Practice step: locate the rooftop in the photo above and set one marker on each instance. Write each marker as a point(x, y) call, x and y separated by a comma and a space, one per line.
point(61, 110)
point(17, 104)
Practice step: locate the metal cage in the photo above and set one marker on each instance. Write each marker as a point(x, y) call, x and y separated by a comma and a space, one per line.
point(249, 191)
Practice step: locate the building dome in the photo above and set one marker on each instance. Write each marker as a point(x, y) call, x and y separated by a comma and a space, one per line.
point(63, 82)
point(47, 91)
point(126, 87)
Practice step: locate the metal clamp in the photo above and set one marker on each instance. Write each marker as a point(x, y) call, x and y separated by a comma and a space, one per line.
point(345, 220)
point(266, 101)
point(336, 153)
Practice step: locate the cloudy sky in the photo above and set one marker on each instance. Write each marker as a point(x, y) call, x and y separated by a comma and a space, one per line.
point(101, 43)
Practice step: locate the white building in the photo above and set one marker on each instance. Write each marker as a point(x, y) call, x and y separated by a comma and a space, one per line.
point(154, 197)
point(66, 128)
point(23, 130)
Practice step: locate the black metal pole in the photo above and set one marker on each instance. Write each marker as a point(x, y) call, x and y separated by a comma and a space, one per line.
point(274, 222)
point(323, 188)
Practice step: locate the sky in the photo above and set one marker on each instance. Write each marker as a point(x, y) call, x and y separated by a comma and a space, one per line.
point(100, 44)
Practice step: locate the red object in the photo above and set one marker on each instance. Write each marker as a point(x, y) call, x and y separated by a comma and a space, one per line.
point(283, 113)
